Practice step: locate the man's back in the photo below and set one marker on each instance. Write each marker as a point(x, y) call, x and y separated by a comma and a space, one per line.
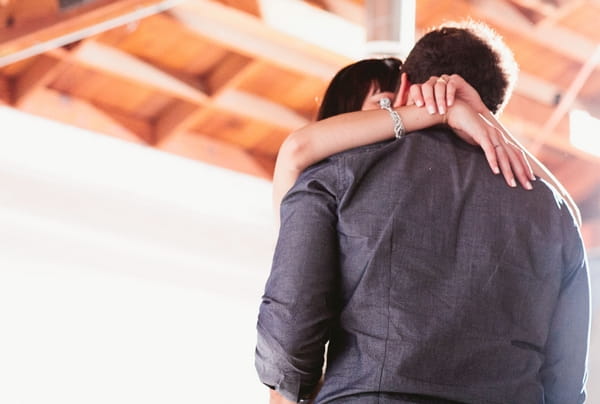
point(435, 279)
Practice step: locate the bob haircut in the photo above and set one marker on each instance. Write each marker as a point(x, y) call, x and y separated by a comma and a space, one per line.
point(351, 85)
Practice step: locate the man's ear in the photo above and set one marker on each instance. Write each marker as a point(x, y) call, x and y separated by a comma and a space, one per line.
point(402, 94)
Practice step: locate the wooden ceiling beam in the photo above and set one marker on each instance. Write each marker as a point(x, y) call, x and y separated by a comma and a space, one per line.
point(562, 40)
point(5, 91)
point(230, 68)
point(537, 89)
point(142, 128)
point(248, 6)
point(37, 77)
point(71, 111)
point(183, 116)
point(21, 12)
point(248, 35)
point(546, 33)
point(117, 63)
point(178, 118)
point(43, 34)
point(566, 101)
point(581, 177)
point(562, 11)
point(191, 101)
point(527, 131)
point(539, 6)
point(267, 162)
point(214, 152)
point(259, 108)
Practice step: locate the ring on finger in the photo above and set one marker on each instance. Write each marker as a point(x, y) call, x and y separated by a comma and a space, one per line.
point(441, 80)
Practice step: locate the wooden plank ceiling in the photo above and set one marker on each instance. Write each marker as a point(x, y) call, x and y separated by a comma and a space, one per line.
point(215, 81)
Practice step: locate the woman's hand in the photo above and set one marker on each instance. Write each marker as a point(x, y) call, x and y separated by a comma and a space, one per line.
point(439, 93)
point(443, 94)
point(501, 154)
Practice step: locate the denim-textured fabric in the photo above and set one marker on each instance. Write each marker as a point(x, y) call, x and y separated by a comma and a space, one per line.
point(428, 276)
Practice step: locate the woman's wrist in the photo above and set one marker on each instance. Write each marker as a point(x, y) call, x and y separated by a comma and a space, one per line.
point(399, 129)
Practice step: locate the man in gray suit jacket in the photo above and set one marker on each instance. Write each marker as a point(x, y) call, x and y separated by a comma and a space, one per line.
point(430, 279)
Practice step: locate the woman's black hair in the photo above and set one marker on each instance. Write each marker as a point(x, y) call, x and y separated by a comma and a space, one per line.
point(351, 85)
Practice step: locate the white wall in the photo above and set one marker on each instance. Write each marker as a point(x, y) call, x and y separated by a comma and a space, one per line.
point(126, 275)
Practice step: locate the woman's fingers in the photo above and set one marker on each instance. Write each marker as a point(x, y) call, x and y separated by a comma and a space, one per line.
point(437, 94)
point(525, 159)
point(512, 162)
point(490, 153)
point(439, 91)
point(519, 164)
point(505, 164)
point(503, 156)
point(416, 95)
point(427, 91)
point(451, 87)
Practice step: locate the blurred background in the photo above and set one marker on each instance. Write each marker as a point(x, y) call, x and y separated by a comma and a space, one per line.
point(137, 145)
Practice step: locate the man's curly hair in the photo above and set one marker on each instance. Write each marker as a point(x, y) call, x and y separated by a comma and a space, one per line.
point(470, 49)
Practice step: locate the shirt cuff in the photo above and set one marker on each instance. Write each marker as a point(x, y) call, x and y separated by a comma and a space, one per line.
point(286, 385)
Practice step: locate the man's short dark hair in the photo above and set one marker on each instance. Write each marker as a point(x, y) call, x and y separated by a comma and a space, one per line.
point(470, 49)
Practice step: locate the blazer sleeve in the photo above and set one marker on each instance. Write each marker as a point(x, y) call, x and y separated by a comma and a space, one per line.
point(564, 371)
point(299, 301)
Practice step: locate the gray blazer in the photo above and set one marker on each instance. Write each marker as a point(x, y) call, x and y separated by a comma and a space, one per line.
point(430, 279)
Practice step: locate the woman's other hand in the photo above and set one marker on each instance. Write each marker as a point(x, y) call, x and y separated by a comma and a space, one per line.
point(502, 155)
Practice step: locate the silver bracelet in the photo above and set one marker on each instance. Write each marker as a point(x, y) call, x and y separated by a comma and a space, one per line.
point(399, 130)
